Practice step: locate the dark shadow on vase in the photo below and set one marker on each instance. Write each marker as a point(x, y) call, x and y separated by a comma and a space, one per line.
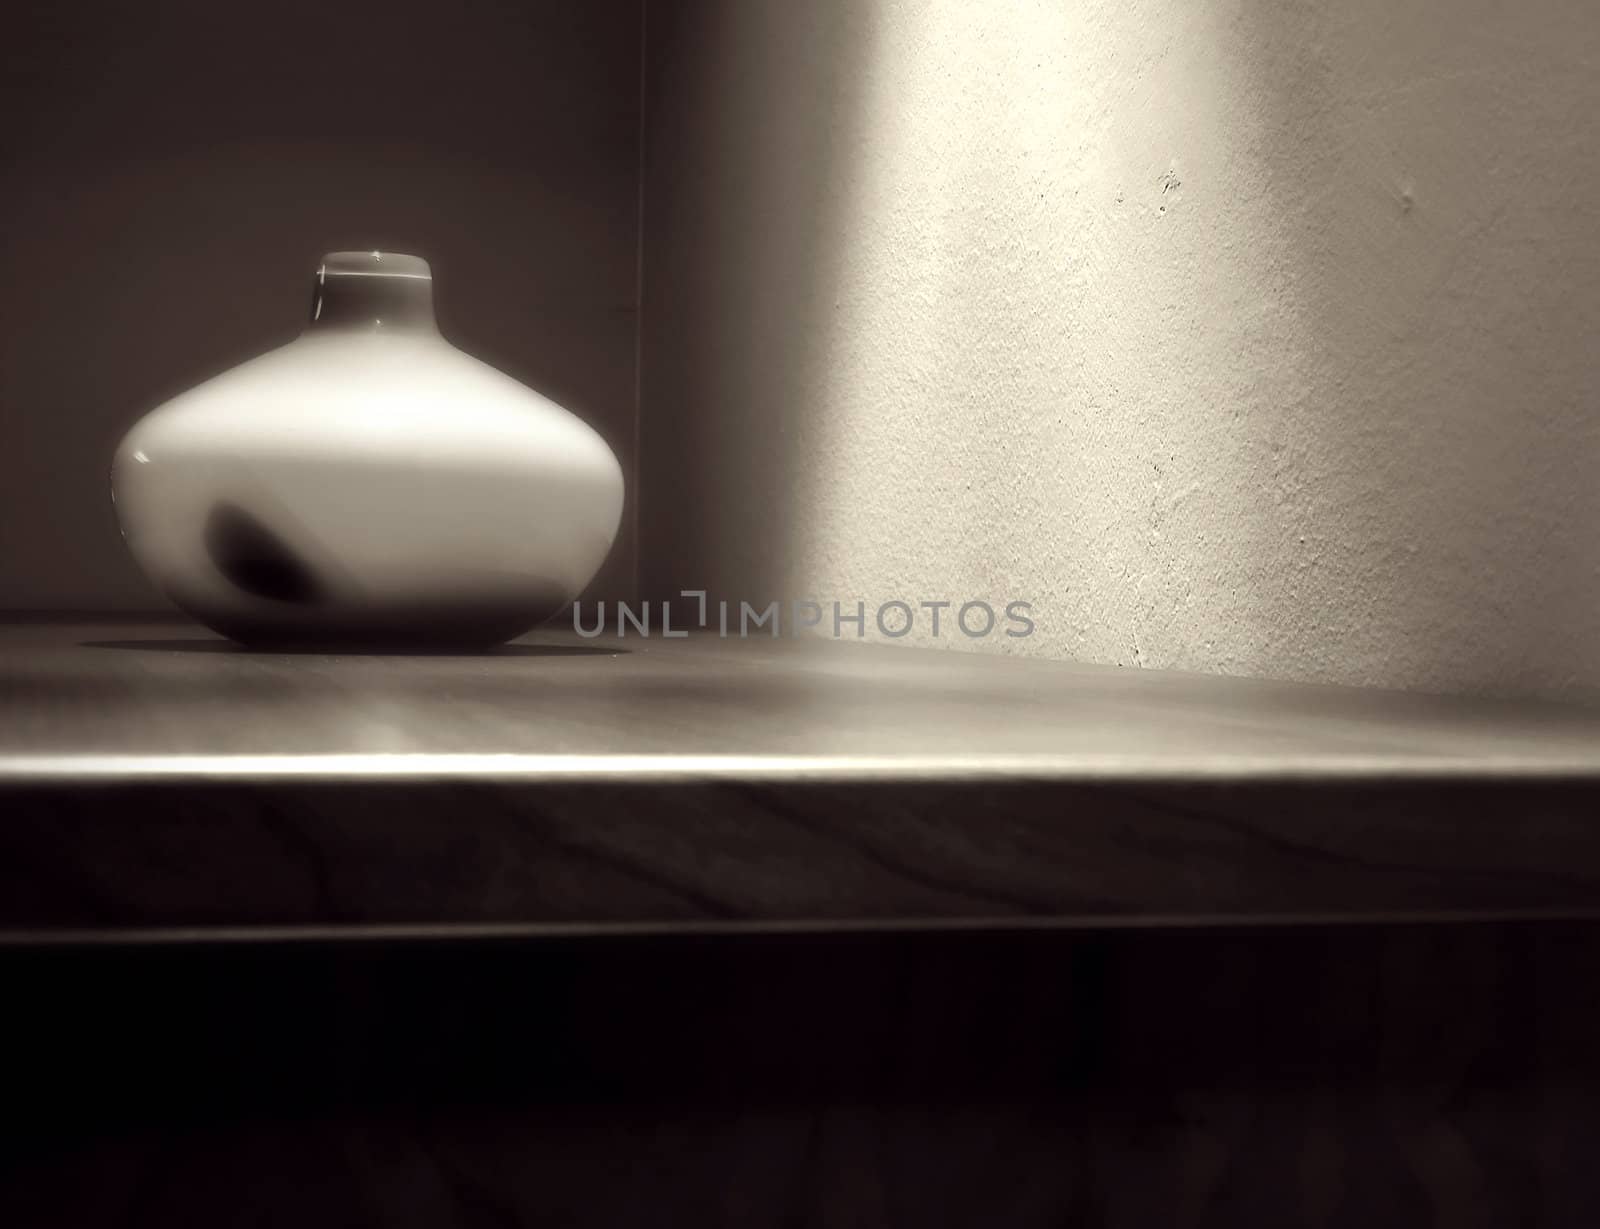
point(257, 560)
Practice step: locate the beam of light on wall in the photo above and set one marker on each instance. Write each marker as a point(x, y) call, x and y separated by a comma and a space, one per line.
point(1237, 337)
point(1039, 333)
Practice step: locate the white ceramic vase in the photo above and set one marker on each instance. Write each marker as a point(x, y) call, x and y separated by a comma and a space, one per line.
point(367, 483)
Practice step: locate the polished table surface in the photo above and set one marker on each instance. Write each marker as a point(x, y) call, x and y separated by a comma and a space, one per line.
point(154, 777)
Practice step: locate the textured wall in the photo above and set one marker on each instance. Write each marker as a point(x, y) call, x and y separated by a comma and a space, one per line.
point(1237, 337)
point(172, 173)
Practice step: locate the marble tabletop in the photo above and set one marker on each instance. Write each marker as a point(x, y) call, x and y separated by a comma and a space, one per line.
point(157, 780)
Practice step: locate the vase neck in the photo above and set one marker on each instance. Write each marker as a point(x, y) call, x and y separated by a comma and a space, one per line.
point(372, 292)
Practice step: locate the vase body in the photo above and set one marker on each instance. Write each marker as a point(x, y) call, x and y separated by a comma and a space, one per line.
point(367, 483)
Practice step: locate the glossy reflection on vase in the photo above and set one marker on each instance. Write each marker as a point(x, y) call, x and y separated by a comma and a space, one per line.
point(368, 483)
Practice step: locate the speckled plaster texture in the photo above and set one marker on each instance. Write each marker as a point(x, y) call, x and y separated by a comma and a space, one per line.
point(1254, 339)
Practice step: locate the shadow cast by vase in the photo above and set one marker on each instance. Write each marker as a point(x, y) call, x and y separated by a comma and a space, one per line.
point(202, 645)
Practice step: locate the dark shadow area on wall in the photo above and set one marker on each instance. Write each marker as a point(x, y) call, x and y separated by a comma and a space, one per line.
point(751, 113)
point(174, 172)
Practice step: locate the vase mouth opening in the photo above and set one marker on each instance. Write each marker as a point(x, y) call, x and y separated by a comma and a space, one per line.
point(373, 291)
point(373, 264)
